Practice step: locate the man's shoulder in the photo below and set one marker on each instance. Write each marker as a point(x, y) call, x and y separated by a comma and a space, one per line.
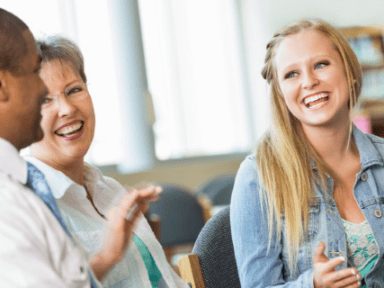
point(12, 190)
point(21, 207)
point(31, 235)
point(19, 203)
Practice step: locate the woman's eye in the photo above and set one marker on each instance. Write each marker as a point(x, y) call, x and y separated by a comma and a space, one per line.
point(74, 90)
point(321, 64)
point(290, 75)
point(47, 100)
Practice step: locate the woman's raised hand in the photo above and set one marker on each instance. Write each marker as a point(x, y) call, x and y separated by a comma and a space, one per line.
point(325, 275)
point(122, 220)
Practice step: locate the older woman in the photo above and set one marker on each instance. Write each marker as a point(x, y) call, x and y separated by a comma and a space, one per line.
point(306, 209)
point(83, 194)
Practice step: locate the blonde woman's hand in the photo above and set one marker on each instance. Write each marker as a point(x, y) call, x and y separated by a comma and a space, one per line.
point(122, 220)
point(325, 275)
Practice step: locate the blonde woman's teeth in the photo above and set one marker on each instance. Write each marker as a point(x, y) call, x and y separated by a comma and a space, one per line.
point(316, 99)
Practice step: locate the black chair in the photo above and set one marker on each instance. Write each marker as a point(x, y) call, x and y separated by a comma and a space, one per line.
point(181, 220)
point(212, 263)
point(180, 214)
point(219, 190)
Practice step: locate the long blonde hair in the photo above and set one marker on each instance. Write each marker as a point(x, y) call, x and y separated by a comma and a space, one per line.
point(284, 155)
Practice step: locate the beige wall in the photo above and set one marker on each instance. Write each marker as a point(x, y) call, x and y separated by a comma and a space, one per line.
point(188, 173)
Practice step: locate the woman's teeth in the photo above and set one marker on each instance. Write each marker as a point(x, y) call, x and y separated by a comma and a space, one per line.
point(316, 99)
point(70, 130)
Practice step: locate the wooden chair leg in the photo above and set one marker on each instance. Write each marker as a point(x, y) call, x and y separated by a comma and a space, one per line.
point(206, 205)
point(190, 271)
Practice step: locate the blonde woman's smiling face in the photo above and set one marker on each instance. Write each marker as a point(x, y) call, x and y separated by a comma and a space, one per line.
point(312, 78)
point(68, 121)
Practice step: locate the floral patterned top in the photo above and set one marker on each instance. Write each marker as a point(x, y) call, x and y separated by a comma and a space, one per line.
point(361, 246)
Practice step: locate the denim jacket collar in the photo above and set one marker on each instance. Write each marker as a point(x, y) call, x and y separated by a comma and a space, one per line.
point(369, 155)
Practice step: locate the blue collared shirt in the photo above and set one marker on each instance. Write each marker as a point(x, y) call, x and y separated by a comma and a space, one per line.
point(257, 268)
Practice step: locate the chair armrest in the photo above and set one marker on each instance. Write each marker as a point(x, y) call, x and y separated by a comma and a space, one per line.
point(190, 271)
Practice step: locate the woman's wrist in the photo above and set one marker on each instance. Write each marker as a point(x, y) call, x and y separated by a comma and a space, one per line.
point(101, 264)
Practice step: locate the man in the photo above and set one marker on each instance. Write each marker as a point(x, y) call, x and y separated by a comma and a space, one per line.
point(35, 250)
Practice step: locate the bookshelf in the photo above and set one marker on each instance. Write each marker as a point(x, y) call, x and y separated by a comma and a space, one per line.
point(367, 42)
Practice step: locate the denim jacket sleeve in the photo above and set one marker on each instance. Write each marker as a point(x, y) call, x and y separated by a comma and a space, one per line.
point(257, 267)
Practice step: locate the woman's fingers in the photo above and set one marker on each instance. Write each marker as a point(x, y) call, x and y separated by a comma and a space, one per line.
point(344, 277)
point(333, 263)
point(319, 254)
point(133, 219)
point(325, 274)
point(146, 191)
point(128, 202)
point(149, 192)
point(132, 203)
point(351, 281)
point(327, 265)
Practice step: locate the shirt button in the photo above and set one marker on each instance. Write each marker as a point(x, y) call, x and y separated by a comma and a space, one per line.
point(364, 176)
point(377, 213)
point(81, 269)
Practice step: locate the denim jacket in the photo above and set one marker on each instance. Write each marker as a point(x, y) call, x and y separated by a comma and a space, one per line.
point(257, 268)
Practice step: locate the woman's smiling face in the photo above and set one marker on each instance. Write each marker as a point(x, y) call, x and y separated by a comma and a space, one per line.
point(312, 78)
point(68, 123)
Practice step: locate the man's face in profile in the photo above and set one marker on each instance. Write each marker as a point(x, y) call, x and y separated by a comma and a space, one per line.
point(26, 91)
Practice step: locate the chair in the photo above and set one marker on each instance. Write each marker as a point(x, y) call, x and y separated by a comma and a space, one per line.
point(212, 264)
point(155, 224)
point(219, 190)
point(181, 219)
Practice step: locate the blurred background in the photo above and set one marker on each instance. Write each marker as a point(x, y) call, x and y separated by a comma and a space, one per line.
point(176, 84)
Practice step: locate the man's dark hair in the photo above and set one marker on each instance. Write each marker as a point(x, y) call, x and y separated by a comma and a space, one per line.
point(13, 47)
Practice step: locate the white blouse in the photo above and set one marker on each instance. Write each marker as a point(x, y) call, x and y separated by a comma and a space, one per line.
point(84, 222)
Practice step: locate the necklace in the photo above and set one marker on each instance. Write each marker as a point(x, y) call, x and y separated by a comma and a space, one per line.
point(89, 197)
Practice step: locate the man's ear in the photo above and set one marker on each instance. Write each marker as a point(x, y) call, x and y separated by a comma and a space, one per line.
point(4, 95)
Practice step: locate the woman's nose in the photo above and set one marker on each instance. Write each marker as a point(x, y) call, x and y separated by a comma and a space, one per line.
point(64, 106)
point(309, 80)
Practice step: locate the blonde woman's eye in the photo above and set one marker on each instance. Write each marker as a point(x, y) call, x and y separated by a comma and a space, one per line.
point(321, 64)
point(290, 75)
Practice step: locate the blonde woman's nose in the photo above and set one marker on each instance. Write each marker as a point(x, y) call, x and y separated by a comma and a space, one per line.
point(309, 80)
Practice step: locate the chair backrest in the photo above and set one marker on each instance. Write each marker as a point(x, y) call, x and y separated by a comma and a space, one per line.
point(180, 214)
point(219, 190)
point(215, 251)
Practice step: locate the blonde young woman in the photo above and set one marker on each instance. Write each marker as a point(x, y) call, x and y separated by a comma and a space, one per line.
point(124, 253)
point(307, 207)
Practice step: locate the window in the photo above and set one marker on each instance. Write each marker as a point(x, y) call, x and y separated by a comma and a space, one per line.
point(195, 76)
point(195, 71)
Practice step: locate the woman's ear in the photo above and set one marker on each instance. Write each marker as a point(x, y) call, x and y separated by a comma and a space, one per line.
point(4, 95)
